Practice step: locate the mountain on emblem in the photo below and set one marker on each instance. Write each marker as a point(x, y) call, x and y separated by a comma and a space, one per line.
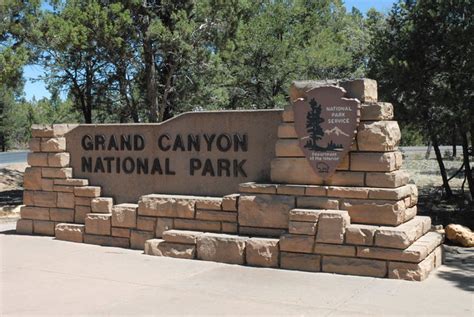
point(326, 124)
point(335, 131)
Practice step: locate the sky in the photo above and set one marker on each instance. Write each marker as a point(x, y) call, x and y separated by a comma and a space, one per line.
point(36, 88)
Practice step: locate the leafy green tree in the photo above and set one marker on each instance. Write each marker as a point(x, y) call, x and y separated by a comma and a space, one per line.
point(423, 62)
point(17, 20)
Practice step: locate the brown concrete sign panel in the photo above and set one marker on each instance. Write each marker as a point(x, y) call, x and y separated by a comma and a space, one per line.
point(200, 153)
point(326, 124)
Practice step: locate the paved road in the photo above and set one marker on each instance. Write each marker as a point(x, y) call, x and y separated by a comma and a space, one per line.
point(13, 157)
point(43, 276)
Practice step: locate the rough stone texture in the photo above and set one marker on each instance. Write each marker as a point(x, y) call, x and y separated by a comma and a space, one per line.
point(375, 161)
point(35, 213)
point(229, 227)
point(24, 226)
point(66, 200)
point(262, 252)
point(35, 144)
point(61, 214)
point(316, 190)
point(163, 224)
point(300, 262)
point(37, 159)
point(299, 88)
point(124, 215)
point(56, 172)
point(213, 203)
point(98, 224)
point(354, 266)
point(181, 236)
point(71, 182)
point(414, 253)
point(255, 188)
point(403, 235)
point(360, 234)
point(378, 136)
point(299, 227)
point(43, 227)
point(363, 89)
point(309, 215)
point(221, 248)
point(69, 232)
point(199, 225)
point(160, 247)
point(83, 201)
point(87, 191)
point(47, 184)
point(378, 212)
point(332, 226)
point(307, 202)
point(107, 241)
point(297, 243)
point(376, 111)
point(348, 192)
point(121, 232)
point(287, 131)
point(138, 239)
point(44, 199)
point(49, 131)
point(53, 145)
point(146, 223)
point(102, 205)
point(335, 249)
point(391, 179)
point(392, 193)
point(167, 206)
point(460, 235)
point(59, 159)
point(411, 271)
point(296, 190)
point(32, 178)
point(28, 198)
point(261, 232)
point(62, 188)
point(213, 215)
point(229, 202)
point(267, 211)
point(80, 213)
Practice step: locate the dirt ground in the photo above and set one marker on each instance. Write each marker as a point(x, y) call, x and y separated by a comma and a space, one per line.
point(11, 190)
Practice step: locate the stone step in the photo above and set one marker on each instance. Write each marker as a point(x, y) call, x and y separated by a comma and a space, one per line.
point(413, 263)
point(70, 232)
point(399, 237)
point(415, 253)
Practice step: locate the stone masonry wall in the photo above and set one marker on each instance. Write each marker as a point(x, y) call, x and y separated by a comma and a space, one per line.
point(362, 221)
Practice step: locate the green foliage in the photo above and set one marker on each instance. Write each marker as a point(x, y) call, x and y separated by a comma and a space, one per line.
point(411, 135)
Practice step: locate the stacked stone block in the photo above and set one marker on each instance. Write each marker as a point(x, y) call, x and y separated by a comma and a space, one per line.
point(361, 221)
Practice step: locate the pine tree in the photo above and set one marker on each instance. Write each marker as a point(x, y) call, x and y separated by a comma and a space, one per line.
point(313, 125)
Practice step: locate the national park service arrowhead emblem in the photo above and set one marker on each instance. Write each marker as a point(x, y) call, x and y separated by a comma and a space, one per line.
point(326, 125)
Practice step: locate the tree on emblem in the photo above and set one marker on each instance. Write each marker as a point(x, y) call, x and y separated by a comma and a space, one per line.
point(313, 126)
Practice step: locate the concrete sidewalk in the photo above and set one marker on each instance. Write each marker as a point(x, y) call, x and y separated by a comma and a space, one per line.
point(40, 275)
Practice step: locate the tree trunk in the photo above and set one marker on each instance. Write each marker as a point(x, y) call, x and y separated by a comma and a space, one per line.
point(442, 168)
point(150, 78)
point(467, 166)
point(454, 141)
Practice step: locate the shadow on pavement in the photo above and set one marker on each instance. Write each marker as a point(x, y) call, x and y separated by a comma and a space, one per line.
point(461, 262)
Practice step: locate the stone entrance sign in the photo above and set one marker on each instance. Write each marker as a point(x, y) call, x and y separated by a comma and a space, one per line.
point(201, 153)
point(309, 188)
point(326, 124)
